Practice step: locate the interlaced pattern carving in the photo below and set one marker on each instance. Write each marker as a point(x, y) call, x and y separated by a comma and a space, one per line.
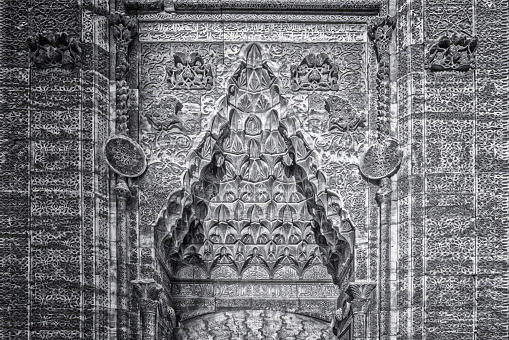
point(315, 72)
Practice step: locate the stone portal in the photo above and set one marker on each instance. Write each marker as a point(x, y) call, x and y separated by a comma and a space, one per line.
point(254, 225)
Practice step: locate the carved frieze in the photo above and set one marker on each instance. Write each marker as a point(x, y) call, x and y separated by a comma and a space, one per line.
point(190, 72)
point(455, 53)
point(315, 72)
point(54, 50)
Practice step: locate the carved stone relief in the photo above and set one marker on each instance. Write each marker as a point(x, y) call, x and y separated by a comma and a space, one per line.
point(50, 50)
point(190, 72)
point(315, 72)
point(450, 250)
point(456, 53)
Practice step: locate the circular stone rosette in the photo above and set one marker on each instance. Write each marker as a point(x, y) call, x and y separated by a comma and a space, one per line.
point(124, 156)
point(381, 160)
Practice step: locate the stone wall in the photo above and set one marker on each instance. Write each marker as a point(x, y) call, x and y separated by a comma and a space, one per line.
point(452, 186)
point(54, 113)
point(448, 270)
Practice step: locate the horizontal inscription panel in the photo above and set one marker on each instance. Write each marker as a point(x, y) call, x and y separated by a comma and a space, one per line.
point(282, 290)
point(251, 31)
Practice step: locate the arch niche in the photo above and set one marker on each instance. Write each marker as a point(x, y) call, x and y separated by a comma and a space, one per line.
point(254, 242)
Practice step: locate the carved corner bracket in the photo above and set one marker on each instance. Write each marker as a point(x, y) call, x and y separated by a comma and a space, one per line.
point(54, 50)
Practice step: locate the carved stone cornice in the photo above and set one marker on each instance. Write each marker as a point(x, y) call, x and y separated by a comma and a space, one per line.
point(54, 50)
point(347, 6)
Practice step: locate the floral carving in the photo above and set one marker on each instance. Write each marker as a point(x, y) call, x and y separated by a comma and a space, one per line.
point(124, 156)
point(124, 30)
point(342, 116)
point(315, 72)
point(454, 53)
point(380, 32)
point(190, 72)
point(381, 159)
point(52, 50)
point(164, 116)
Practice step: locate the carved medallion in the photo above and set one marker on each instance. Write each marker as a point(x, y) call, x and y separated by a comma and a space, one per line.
point(124, 156)
point(452, 54)
point(381, 160)
point(190, 72)
point(342, 115)
point(315, 72)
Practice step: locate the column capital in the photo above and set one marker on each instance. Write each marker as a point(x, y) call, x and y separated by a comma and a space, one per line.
point(147, 289)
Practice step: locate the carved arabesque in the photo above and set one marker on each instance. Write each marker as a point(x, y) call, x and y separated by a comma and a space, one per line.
point(455, 53)
point(190, 72)
point(315, 72)
point(52, 50)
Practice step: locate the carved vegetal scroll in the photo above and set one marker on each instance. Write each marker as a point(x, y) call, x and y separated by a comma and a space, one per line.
point(54, 50)
point(379, 162)
point(127, 159)
point(315, 72)
point(124, 30)
point(123, 155)
point(380, 32)
point(342, 115)
point(455, 53)
point(190, 72)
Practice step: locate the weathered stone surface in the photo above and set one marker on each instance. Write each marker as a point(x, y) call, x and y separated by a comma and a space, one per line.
point(250, 194)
